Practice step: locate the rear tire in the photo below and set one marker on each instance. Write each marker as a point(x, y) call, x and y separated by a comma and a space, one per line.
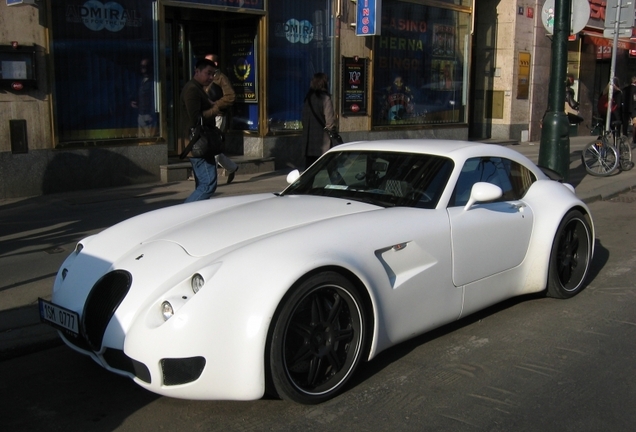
point(625, 158)
point(570, 257)
point(318, 339)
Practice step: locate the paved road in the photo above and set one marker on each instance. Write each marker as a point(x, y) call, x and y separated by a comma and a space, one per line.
point(528, 364)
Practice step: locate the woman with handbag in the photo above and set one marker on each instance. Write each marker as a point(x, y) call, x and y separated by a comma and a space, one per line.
point(318, 119)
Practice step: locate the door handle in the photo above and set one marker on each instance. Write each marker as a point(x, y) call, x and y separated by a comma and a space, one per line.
point(518, 206)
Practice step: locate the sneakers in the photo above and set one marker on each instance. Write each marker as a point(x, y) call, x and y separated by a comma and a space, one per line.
point(230, 177)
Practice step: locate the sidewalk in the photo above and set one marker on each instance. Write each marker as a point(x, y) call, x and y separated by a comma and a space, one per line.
point(37, 233)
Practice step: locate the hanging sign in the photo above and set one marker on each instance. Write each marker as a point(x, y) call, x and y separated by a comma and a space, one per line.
point(354, 86)
point(369, 14)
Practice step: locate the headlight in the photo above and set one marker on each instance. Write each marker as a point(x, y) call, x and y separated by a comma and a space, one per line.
point(166, 310)
point(197, 282)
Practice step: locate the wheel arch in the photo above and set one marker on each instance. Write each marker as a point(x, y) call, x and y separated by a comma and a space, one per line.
point(546, 224)
point(368, 305)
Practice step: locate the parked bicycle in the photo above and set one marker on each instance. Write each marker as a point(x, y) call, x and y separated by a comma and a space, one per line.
point(609, 152)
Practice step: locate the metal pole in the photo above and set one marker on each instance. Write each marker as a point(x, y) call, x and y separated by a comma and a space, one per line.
point(610, 85)
point(554, 152)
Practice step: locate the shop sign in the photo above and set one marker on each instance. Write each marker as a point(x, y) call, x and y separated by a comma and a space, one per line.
point(97, 16)
point(239, 4)
point(368, 13)
point(243, 73)
point(354, 86)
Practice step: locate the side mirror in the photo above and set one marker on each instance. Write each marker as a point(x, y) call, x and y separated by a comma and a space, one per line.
point(483, 192)
point(293, 176)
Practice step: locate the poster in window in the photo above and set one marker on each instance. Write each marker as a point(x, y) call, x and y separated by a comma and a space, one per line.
point(354, 86)
point(104, 63)
point(243, 72)
point(419, 65)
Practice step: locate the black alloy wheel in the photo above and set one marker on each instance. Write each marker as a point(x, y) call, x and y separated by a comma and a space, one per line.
point(317, 339)
point(570, 257)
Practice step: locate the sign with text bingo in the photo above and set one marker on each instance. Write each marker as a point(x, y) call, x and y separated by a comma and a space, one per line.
point(368, 13)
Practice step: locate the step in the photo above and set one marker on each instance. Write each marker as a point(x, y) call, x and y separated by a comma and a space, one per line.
point(178, 170)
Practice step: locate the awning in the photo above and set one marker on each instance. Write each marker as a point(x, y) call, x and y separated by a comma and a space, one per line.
point(597, 38)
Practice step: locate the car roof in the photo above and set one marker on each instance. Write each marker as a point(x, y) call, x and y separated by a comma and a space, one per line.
point(429, 146)
point(455, 149)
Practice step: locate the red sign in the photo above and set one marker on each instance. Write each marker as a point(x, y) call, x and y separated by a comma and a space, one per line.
point(530, 12)
point(17, 85)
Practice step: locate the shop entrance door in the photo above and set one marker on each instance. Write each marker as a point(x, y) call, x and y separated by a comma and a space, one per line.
point(190, 35)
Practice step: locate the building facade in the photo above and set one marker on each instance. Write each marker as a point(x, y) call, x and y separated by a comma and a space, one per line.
point(89, 92)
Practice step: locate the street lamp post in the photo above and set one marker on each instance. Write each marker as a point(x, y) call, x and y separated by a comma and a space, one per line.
point(554, 152)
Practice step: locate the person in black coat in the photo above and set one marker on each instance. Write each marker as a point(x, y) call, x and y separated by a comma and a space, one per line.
point(318, 118)
point(629, 108)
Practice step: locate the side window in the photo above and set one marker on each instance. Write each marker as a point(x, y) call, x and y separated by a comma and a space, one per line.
point(513, 179)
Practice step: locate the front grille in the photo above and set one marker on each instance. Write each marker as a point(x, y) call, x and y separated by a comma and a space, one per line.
point(181, 370)
point(101, 304)
point(118, 360)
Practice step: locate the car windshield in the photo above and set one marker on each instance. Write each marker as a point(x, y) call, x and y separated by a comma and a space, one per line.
point(386, 179)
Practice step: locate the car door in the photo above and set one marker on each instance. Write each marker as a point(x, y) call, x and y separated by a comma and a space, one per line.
point(492, 237)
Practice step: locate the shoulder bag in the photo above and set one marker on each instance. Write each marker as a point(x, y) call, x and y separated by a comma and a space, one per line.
point(205, 141)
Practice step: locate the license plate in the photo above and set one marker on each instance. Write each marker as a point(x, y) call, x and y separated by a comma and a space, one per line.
point(58, 316)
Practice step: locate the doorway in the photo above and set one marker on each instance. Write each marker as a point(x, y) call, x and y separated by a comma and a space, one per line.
point(190, 34)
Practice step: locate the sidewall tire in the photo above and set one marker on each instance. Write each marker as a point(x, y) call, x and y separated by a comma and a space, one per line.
point(282, 383)
point(556, 288)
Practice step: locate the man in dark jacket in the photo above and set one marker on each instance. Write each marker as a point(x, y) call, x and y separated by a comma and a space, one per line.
point(195, 105)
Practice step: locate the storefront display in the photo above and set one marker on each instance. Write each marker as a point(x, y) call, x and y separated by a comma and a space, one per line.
point(420, 62)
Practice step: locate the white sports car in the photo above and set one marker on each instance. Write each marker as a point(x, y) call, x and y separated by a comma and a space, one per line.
point(287, 292)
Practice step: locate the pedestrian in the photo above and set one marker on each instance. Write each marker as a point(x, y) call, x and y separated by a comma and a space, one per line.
point(222, 95)
point(318, 119)
point(571, 105)
point(603, 102)
point(144, 101)
point(629, 109)
point(195, 105)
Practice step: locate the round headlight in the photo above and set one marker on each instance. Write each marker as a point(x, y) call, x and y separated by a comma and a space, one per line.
point(197, 282)
point(166, 310)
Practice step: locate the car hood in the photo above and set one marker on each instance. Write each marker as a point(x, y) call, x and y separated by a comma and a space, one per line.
point(220, 223)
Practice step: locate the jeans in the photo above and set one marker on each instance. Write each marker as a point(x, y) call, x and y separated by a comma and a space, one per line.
point(225, 162)
point(228, 164)
point(205, 179)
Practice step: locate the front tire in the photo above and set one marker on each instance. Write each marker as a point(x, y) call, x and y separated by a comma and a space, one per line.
point(570, 257)
point(599, 158)
point(317, 340)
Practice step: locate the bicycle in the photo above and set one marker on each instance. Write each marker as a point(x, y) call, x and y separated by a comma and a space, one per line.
point(609, 152)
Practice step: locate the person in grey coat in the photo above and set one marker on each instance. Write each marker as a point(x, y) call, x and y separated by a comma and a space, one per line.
point(318, 118)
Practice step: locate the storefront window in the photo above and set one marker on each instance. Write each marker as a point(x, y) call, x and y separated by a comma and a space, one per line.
point(420, 65)
point(300, 44)
point(105, 74)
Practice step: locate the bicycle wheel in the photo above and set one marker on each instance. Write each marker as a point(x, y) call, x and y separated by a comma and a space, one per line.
point(625, 155)
point(599, 158)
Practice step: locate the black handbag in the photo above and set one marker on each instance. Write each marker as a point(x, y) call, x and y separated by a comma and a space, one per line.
point(205, 141)
point(335, 138)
